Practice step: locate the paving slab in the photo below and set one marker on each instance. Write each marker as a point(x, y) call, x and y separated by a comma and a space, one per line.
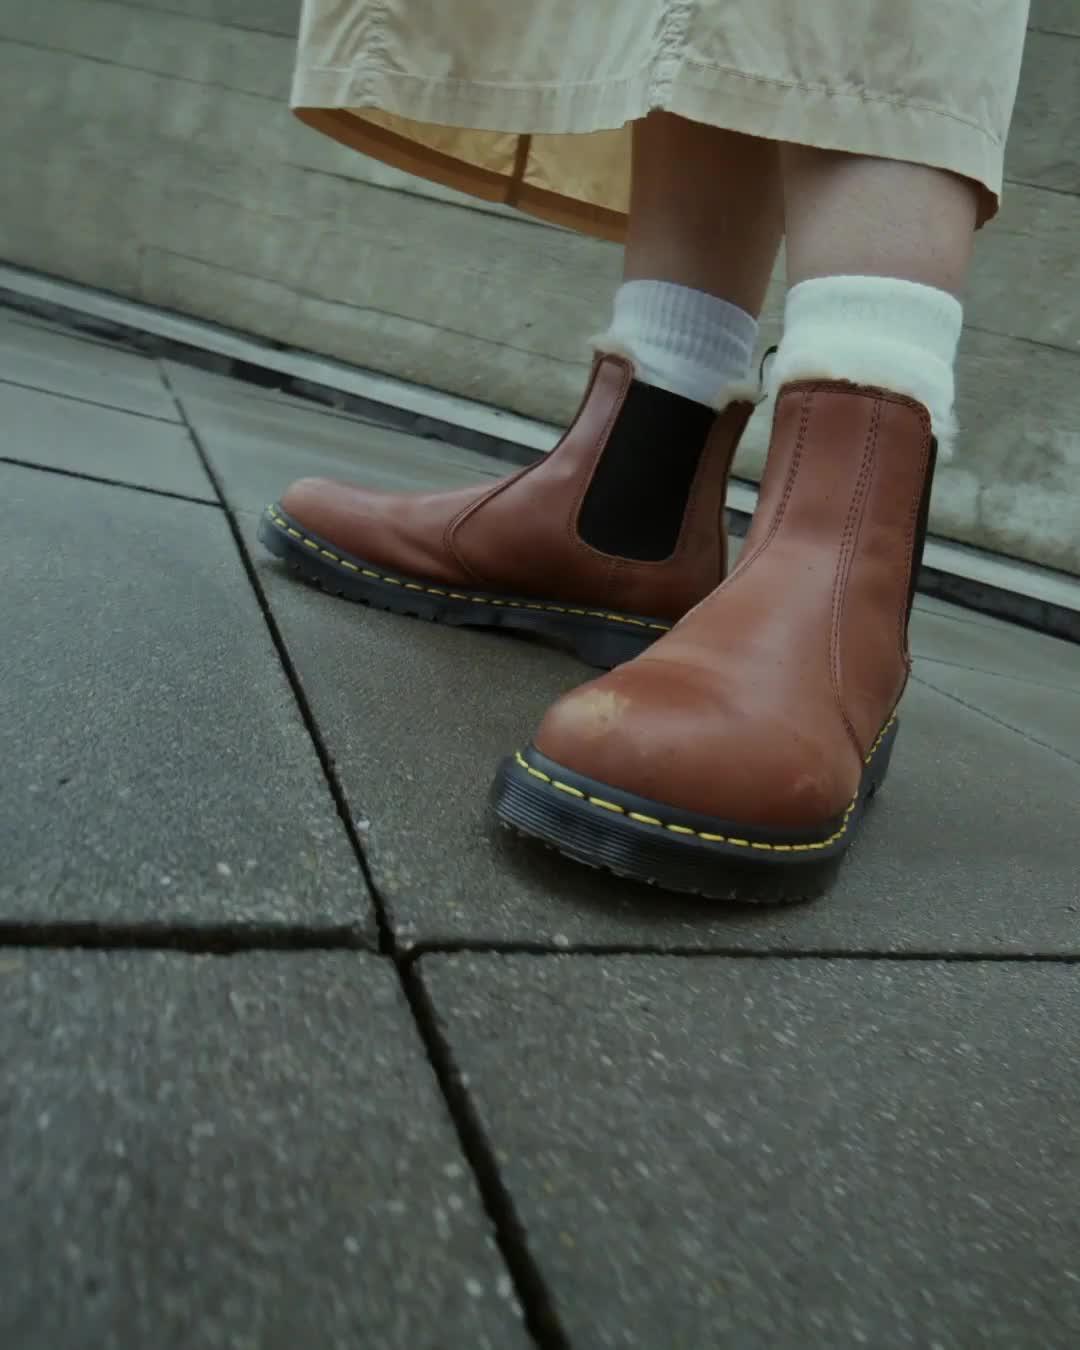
point(156, 769)
point(245, 1154)
point(48, 359)
point(260, 440)
point(997, 647)
point(1045, 712)
point(65, 433)
point(972, 847)
point(791, 1155)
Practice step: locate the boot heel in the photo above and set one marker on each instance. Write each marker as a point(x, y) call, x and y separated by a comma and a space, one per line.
point(878, 766)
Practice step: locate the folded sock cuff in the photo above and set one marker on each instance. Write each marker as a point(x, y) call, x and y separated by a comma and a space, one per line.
point(897, 335)
point(683, 340)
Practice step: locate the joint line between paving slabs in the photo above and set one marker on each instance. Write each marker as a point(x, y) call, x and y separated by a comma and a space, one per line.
point(385, 930)
point(993, 717)
point(110, 482)
point(541, 1317)
point(536, 1302)
point(598, 950)
point(208, 940)
point(86, 402)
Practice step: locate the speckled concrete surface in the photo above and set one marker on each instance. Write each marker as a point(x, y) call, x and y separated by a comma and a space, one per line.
point(269, 1111)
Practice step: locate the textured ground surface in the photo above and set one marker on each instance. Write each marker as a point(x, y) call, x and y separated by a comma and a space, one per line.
point(298, 1048)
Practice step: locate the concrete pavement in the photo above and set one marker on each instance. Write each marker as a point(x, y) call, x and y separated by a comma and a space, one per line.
point(299, 1049)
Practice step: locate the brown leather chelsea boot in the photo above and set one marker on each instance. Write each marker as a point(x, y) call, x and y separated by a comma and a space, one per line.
point(604, 543)
point(749, 739)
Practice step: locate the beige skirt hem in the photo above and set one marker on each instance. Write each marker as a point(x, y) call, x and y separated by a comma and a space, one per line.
point(403, 121)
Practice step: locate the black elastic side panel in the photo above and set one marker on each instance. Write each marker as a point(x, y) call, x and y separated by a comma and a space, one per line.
point(921, 526)
point(635, 503)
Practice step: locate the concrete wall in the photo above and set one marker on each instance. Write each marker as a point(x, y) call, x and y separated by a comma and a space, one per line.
point(148, 149)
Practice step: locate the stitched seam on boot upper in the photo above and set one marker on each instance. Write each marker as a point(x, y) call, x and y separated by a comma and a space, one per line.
point(466, 513)
point(610, 587)
point(721, 519)
point(697, 491)
point(789, 486)
point(693, 499)
point(576, 541)
point(848, 547)
point(452, 529)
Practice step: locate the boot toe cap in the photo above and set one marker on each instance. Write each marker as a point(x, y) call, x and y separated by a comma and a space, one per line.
point(320, 505)
point(662, 733)
point(370, 526)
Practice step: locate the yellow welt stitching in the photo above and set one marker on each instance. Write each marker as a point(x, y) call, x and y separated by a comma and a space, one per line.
point(701, 834)
point(881, 736)
point(457, 595)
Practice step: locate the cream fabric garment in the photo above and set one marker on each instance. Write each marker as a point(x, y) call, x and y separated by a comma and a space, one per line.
point(528, 101)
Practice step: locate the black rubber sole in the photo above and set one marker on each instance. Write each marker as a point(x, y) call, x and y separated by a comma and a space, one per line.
point(648, 842)
point(602, 638)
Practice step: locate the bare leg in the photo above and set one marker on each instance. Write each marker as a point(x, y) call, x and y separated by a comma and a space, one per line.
point(706, 209)
point(850, 215)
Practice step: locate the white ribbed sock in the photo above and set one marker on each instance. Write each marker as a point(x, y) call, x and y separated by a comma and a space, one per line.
point(898, 335)
point(683, 340)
